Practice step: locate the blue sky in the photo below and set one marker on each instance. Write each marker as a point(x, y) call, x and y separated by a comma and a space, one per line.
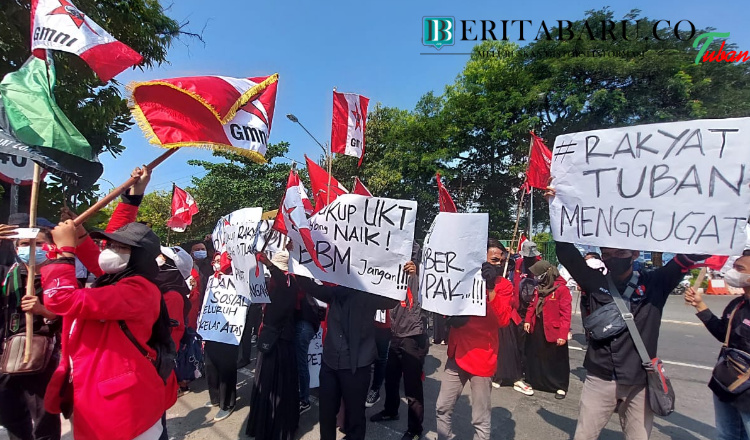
point(371, 48)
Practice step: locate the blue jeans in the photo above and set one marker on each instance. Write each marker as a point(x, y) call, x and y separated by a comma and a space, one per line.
point(731, 424)
point(304, 332)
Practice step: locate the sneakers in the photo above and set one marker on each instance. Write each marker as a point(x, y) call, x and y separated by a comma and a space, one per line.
point(303, 407)
point(523, 388)
point(383, 417)
point(373, 397)
point(495, 385)
point(223, 414)
point(411, 436)
point(210, 405)
point(560, 394)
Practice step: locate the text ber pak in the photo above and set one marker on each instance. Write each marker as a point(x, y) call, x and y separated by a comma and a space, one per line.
point(450, 280)
point(678, 187)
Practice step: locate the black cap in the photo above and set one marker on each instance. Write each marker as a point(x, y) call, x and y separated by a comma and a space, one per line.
point(21, 219)
point(136, 235)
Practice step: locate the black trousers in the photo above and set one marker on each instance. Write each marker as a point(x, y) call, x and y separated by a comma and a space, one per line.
point(406, 358)
point(352, 387)
point(22, 406)
point(221, 373)
point(246, 342)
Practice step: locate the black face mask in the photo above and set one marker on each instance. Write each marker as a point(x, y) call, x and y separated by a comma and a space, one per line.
point(618, 266)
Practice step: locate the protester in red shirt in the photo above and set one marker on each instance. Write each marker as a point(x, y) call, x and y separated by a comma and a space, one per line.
point(472, 354)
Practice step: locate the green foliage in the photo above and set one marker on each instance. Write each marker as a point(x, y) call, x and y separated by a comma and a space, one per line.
point(155, 210)
point(239, 183)
point(477, 131)
point(98, 110)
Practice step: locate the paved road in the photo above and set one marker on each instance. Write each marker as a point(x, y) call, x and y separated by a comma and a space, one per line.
point(685, 344)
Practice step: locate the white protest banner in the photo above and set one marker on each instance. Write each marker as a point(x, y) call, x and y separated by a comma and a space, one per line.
point(237, 234)
point(676, 187)
point(315, 358)
point(450, 273)
point(222, 317)
point(362, 242)
point(276, 240)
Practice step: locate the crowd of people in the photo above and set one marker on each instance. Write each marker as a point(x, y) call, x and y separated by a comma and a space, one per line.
point(108, 366)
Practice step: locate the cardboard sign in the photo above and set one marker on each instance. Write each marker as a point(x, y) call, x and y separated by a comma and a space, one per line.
point(674, 187)
point(450, 273)
point(362, 243)
point(222, 317)
point(315, 358)
point(237, 234)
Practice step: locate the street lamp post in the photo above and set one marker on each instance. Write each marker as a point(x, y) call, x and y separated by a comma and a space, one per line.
point(326, 153)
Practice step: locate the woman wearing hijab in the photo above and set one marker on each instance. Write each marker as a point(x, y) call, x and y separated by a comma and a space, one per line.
point(548, 322)
point(274, 404)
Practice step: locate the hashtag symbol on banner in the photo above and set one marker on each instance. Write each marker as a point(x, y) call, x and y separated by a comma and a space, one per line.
point(560, 153)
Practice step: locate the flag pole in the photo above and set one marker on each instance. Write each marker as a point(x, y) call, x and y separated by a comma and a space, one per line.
point(121, 189)
point(330, 159)
point(531, 190)
point(31, 267)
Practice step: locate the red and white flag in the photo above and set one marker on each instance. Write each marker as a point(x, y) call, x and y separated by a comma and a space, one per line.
point(520, 242)
point(292, 221)
point(360, 188)
point(183, 210)
point(444, 198)
point(59, 25)
point(349, 123)
point(319, 180)
point(217, 112)
point(540, 160)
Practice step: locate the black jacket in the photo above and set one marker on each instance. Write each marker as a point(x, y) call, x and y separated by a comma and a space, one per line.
point(350, 337)
point(617, 358)
point(739, 338)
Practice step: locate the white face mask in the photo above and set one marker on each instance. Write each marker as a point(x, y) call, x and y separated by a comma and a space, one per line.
point(113, 262)
point(737, 279)
point(160, 260)
point(217, 267)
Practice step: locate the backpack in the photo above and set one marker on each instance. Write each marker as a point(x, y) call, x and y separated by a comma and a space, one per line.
point(189, 357)
point(160, 341)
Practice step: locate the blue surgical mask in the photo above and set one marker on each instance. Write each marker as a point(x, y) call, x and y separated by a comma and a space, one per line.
point(200, 255)
point(24, 252)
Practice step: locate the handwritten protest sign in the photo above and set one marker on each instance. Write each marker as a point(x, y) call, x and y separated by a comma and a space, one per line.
point(677, 187)
point(237, 234)
point(362, 243)
point(222, 317)
point(315, 358)
point(450, 272)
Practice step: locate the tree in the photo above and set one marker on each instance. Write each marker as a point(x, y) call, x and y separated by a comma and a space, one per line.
point(155, 210)
point(239, 183)
point(98, 111)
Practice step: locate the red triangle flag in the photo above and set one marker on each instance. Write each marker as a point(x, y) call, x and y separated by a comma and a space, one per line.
point(540, 159)
point(444, 198)
point(319, 180)
point(183, 210)
point(349, 124)
point(360, 188)
point(292, 220)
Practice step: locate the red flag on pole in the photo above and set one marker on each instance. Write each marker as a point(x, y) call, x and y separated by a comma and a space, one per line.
point(349, 124)
point(715, 262)
point(319, 179)
point(292, 220)
point(59, 25)
point(360, 188)
point(444, 198)
point(183, 210)
point(520, 242)
point(540, 159)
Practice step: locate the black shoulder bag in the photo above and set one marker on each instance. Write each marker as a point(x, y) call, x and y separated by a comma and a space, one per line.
point(732, 370)
point(659, 388)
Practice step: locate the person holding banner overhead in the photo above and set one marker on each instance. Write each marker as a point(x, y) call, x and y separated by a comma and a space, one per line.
point(22, 410)
point(349, 350)
point(472, 354)
point(615, 376)
point(548, 322)
point(274, 403)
